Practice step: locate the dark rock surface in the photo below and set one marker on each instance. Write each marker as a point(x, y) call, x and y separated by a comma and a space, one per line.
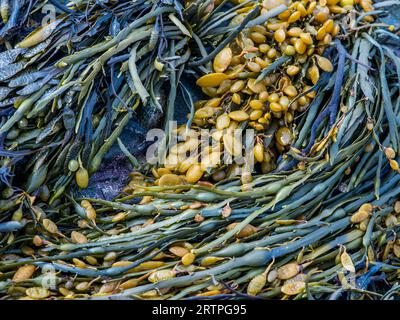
point(113, 173)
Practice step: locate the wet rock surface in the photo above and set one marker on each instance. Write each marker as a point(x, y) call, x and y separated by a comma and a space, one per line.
point(113, 173)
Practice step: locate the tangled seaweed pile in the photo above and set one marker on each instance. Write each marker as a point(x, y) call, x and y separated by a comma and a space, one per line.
point(321, 222)
point(262, 79)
